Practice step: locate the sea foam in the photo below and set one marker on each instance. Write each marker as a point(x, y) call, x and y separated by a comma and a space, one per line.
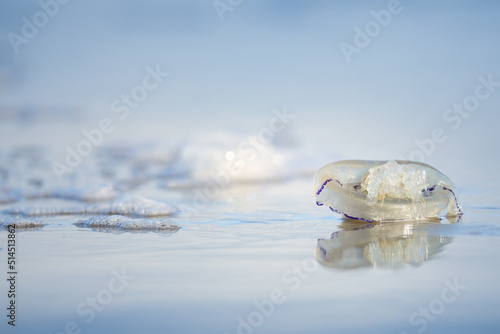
point(21, 223)
point(124, 205)
point(125, 223)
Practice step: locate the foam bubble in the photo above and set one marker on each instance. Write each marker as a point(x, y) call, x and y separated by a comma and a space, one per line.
point(133, 206)
point(22, 223)
point(125, 205)
point(85, 193)
point(227, 158)
point(125, 223)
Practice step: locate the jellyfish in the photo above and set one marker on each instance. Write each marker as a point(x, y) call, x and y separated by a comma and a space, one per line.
point(372, 191)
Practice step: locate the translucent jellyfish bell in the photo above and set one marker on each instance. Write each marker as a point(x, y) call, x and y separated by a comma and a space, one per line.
point(385, 190)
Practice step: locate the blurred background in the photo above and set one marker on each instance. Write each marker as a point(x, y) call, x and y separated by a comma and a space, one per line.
point(230, 63)
point(373, 80)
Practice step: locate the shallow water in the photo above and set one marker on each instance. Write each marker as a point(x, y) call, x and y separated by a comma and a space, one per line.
point(257, 245)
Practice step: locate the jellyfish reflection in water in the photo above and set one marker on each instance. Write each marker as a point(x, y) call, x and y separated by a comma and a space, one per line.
point(385, 245)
